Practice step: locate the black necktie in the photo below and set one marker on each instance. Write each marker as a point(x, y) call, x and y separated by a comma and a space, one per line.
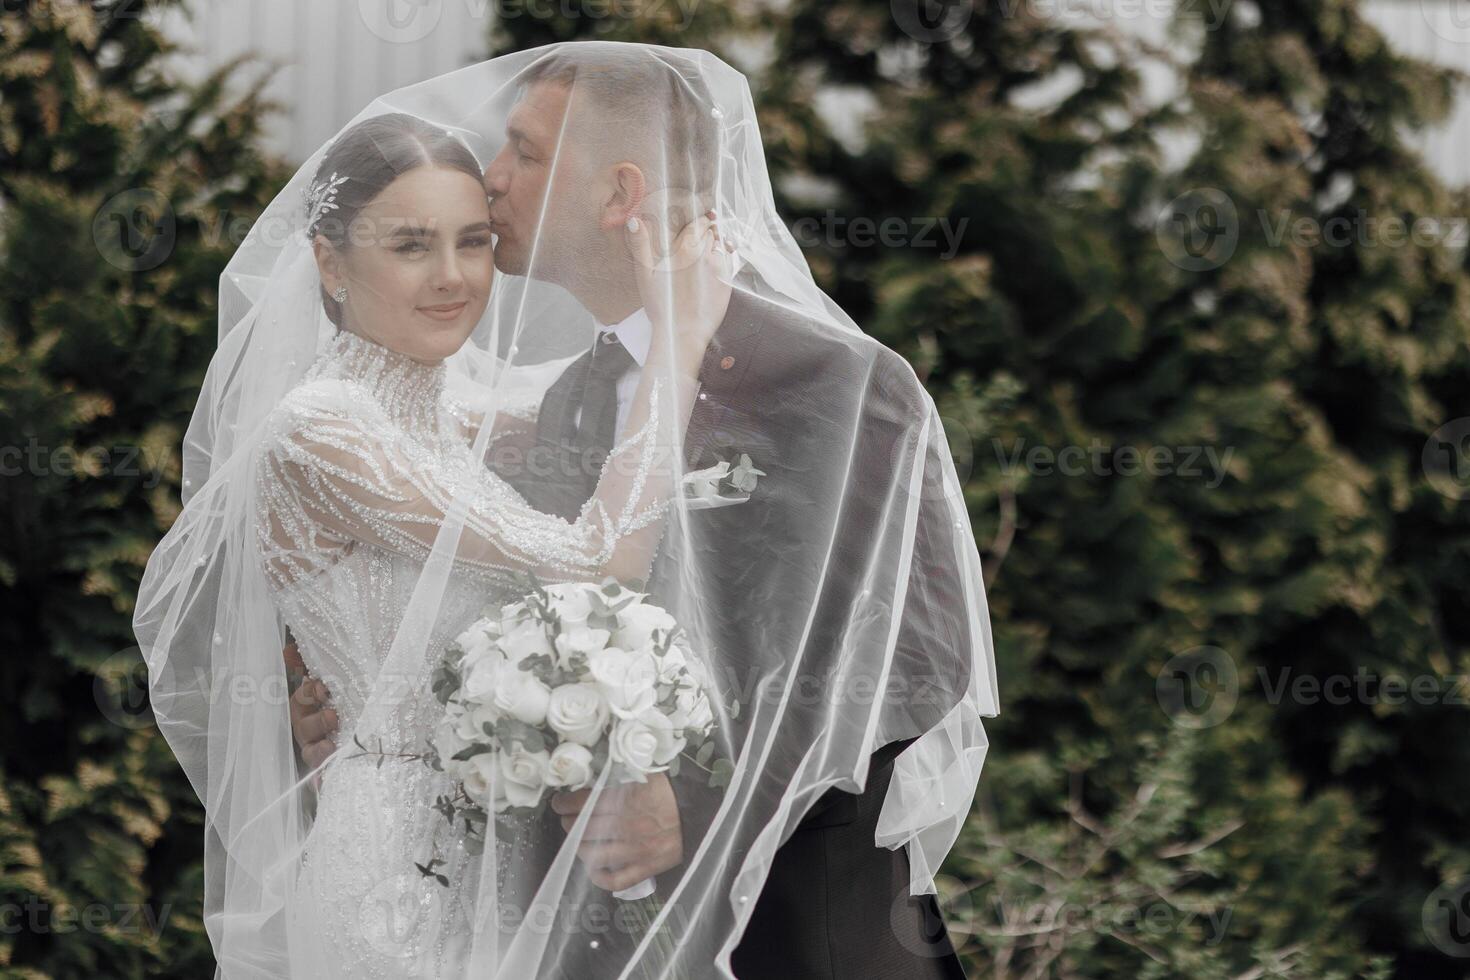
point(597, 426)
point(577, 446)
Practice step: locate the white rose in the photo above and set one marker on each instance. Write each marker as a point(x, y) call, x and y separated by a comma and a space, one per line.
point(637, 623)
point(684, 699)
point(521, 696)
point(477, 659)
point(447, 741)
point(606, 665)
point(570, 766)
point(481, 679)
point(464, 727)
point(526, 640)
point(578, 713)
point(632, 744)
point(477, 641)
point(475, 775)
point(700, 715)
point(470, 725)
point(512, 614)
point(696, 670)
point(580, 639)
point(523, 774)
point(669, 742)
point(672, 664)
point(691, 710)
point(571, 602)
point(627, 680)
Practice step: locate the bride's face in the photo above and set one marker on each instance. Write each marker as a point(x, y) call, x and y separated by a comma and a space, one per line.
point(418, 265)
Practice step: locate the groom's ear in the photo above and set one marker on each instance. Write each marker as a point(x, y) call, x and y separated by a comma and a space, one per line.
point(628, 191)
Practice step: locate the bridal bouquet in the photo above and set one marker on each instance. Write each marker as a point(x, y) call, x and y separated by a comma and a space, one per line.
point(542, 694)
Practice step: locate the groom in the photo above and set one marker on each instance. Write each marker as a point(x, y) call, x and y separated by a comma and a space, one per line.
point(833, 902)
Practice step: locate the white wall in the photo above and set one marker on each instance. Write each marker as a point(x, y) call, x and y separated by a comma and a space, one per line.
point(1437, 31)
point(335, 56)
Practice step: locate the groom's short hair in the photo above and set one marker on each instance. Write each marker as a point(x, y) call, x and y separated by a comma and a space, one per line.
point(648, 110)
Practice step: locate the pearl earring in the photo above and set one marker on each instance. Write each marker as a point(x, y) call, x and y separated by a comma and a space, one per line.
point(341, 294)
point(632, 224)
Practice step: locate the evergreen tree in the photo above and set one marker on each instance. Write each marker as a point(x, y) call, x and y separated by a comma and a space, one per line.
point(1369, 320)
point(122, 195)
point(1159, 801)
point(1072, 319)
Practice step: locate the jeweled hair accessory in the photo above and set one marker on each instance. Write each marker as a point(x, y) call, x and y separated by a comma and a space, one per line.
point(320, 198)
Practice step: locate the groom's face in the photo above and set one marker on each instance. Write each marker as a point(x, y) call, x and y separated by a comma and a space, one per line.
point(542, 210)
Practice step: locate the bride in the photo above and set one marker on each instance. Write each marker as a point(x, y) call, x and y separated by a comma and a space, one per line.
point(386, 448)
point(359, 465)
point(356, 471)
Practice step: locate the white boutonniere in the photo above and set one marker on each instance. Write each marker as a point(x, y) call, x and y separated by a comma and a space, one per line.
point(723, 484)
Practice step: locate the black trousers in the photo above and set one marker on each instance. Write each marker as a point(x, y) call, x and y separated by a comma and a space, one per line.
point(835, 905)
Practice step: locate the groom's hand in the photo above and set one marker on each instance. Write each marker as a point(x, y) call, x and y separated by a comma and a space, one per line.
point(313, 724)
point(633, 833)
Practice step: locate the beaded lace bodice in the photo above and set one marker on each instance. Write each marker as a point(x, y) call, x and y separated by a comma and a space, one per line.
point(359, 465)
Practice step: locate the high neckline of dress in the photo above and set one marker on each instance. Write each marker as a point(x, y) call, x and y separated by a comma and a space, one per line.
point(409, 390)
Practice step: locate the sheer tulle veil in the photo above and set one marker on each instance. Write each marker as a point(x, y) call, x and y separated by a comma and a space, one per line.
point(832, 593)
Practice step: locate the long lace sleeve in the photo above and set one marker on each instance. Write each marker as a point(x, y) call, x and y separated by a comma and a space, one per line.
point(513, 401)
point(336, 464)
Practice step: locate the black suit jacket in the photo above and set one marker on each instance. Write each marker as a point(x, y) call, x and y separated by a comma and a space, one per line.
point(783, 389)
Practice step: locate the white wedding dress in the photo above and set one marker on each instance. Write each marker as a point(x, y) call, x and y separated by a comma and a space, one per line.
point(358, 464)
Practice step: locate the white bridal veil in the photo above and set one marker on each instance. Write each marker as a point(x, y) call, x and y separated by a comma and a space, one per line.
point(809, 534)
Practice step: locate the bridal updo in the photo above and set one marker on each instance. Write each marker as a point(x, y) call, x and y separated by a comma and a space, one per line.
point(370, 156)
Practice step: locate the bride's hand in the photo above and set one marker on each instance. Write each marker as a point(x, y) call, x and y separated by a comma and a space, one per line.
point(687, 289)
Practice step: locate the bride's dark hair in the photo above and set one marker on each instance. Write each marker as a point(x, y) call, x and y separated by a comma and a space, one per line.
point(371, 155)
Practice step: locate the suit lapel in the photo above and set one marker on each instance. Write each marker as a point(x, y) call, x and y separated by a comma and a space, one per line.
point(727, 361)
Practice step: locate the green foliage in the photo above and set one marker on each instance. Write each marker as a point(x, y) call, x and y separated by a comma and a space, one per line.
point(106, 325)
point(1069, 320)
point(1286, 386)
point(1164, 884)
